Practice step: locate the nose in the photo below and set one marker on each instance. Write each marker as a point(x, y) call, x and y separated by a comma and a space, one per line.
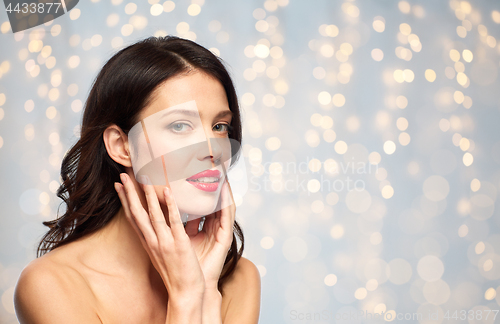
point(212, 150)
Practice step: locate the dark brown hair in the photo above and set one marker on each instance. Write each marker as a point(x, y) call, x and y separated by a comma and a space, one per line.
point(121, 90)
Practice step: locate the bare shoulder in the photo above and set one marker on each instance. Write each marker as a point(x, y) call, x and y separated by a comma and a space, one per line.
point(50, 291)
point(242, 294)
point(246, 270)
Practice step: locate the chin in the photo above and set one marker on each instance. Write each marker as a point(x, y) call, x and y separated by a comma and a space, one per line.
point(198, 203)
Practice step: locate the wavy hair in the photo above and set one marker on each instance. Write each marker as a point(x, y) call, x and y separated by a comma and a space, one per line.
point(123, 87)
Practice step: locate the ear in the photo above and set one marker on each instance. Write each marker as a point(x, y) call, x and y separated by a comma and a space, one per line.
point(117, 145)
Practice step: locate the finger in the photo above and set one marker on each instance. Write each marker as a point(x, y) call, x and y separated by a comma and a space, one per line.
point(121, 194)
point(228, 199)
point(226, 202)
point(155, 213)
point(139, 215)
point(227, 213)
point(176, 225)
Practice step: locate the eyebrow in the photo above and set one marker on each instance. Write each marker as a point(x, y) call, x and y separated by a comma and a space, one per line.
point(224, 113)
point(194, 113)
point(187, 112)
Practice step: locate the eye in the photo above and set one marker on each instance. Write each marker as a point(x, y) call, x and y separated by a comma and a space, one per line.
point(223, 128)
point(179, 127)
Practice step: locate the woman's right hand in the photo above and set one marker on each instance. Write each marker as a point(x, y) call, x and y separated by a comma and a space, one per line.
point(169, 247)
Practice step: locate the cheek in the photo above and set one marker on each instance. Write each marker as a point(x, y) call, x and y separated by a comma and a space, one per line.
point(176, 165)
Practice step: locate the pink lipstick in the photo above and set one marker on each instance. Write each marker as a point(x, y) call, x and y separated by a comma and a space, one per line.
point(207, 180)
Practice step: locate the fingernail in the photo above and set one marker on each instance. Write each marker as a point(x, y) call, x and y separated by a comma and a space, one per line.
point(117, 187)
point(144, 180)
point(123, 177)
point(166, 191)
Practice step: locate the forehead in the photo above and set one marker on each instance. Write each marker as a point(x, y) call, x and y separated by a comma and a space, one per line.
point(207, 91)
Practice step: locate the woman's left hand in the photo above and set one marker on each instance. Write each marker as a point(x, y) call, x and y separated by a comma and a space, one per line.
point(212, 243)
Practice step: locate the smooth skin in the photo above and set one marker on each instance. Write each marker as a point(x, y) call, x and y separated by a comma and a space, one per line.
point(144, 266)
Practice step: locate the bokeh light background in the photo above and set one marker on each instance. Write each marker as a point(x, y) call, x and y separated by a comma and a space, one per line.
point(371, 129)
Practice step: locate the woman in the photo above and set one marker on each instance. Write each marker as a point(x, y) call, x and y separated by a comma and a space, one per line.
point(120, 253)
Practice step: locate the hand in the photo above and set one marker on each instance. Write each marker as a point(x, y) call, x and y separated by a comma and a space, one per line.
point(169, 247)
point(213, 242)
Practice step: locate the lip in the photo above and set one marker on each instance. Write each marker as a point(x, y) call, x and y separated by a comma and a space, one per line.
point(210, 187)
point(206, 173)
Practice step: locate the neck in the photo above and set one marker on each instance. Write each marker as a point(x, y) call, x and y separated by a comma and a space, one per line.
point(119, 244)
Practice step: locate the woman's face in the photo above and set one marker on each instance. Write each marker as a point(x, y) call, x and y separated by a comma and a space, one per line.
point(184, 133)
